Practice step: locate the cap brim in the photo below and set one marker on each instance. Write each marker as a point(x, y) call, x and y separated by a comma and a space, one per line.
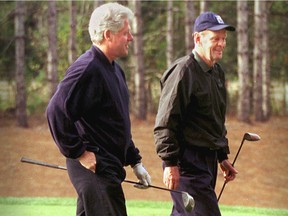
point(219, 27)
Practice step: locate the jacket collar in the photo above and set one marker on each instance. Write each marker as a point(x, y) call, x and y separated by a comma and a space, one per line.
point(101, 55)
point(202, 64)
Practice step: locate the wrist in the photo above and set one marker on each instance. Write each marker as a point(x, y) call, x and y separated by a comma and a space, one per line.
point(221, 155)
point(133, 166)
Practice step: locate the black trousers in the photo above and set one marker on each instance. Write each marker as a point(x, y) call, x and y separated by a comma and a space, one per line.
point(198, 174)
point(99, 194)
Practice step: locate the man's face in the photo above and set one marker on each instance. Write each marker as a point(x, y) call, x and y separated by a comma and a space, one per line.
point(120, 41)
point(212, 44)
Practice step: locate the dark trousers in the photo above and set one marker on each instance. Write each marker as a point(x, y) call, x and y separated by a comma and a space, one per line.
point(98, 194)
point(197, 177)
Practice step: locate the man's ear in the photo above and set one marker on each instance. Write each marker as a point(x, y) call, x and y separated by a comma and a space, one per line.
point(196, 37)
point(107, 35)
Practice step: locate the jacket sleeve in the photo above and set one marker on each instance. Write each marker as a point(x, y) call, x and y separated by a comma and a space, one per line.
point(72, 98)
point(133, 155)
point(172, 106)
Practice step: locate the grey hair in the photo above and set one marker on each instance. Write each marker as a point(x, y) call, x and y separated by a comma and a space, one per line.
point(108, 16)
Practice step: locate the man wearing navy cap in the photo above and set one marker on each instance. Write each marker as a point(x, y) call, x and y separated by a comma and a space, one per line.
point(190, 132)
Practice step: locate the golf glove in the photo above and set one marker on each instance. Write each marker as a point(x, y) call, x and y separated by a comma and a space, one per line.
point(142, 175)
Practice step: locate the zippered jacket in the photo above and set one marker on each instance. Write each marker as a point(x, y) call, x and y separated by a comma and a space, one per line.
point(192, 110)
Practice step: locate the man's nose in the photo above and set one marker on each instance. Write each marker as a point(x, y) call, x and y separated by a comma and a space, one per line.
point(222, 43)
point(130, 38)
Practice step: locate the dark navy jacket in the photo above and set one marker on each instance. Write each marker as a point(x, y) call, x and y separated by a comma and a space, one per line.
point(90, 111)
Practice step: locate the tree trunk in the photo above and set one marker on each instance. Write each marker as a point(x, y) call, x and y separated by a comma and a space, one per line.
point(52, 48)
point(203, 6)
point(97, 3)
point(20, 64)
point(266, 65)
point(169, 35)
point(72, 55)
point(243, 109)
point(189, 22)
point(140, 105)
point(257, 62)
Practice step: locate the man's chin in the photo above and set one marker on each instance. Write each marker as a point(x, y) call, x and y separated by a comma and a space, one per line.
point(218, 57)
point(123, 55)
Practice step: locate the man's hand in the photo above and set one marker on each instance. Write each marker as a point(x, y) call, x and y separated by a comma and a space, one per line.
point(142, 175)
point(171, 177)
point(229, 172)
point(88, 160)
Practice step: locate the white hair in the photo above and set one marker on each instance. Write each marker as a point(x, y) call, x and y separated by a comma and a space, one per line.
point(110, 16)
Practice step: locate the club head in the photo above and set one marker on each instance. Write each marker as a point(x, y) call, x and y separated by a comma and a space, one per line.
point(251, 136)
point(188, 201)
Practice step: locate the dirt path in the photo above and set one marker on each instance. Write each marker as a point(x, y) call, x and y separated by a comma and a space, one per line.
point(262, 181)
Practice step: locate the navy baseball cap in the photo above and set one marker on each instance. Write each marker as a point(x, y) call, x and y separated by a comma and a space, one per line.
point(210, 21)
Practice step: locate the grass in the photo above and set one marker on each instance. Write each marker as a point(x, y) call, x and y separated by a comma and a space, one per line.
point(11, 206)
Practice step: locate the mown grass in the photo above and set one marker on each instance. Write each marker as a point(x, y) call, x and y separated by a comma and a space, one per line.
point(11, 206)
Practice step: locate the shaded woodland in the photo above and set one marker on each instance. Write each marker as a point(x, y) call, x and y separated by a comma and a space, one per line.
point(39, 39)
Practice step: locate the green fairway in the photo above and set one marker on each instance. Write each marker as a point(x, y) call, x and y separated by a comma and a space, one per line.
point(10, 206)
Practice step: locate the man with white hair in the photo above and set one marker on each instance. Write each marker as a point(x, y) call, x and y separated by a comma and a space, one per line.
point(89, 117)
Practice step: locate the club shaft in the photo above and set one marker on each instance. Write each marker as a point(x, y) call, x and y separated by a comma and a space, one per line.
point(222, 189)
point(238, 151)
point(153, 186)
point(41, 163)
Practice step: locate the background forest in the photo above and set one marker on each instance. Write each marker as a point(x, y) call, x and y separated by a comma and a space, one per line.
point(39, 39)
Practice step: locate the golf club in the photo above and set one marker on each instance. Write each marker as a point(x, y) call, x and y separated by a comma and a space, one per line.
point(187, 199)
point(249, 137)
